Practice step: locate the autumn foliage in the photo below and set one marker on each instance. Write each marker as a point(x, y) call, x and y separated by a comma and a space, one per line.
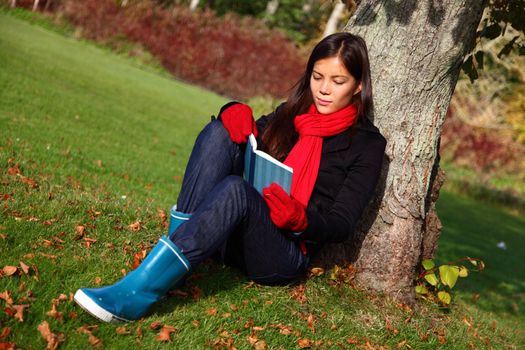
point(234, 56)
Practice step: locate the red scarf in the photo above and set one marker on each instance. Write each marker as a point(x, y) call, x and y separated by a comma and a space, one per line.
point(305, 155)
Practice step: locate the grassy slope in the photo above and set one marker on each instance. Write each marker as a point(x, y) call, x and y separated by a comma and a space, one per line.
point(91, 127)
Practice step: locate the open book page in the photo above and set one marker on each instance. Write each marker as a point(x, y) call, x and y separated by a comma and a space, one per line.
point(261, 169)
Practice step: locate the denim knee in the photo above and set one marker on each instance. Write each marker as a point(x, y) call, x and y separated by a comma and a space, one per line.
point(214, 130)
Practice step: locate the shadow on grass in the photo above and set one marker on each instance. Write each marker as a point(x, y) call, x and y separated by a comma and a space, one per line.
point(474, 229)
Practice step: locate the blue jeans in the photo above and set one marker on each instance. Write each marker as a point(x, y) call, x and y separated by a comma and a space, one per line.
point(229, 216)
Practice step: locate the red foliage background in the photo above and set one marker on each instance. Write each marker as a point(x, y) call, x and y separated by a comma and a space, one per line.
point(484, 150)
point(237, 57)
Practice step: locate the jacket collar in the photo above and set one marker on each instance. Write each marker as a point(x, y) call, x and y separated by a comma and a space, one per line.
point(343, 140)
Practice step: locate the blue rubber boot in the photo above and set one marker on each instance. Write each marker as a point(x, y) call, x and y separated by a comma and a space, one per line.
point(176, 219)
point(131, 297)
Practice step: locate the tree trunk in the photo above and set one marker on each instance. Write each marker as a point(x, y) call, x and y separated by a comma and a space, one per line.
point(35, 5)
point(335, 17)
point(416, 50)
point(194, 4)
point(13, 3)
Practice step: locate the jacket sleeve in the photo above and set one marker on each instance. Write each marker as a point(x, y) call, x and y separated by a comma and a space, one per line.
point(358, 187)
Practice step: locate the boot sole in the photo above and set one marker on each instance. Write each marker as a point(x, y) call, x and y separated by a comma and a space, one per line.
point(96, 310)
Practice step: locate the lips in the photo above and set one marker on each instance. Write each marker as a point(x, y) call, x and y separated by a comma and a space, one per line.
point(323, 102)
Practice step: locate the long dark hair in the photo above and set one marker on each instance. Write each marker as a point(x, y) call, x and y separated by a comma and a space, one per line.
point(280, 135)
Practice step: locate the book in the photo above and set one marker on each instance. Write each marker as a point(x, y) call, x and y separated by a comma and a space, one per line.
point(261, 169)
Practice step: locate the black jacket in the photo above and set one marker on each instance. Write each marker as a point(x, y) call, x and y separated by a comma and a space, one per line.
point(348, 174)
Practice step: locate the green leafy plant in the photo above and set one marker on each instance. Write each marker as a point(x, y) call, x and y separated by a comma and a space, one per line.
point(436, 282)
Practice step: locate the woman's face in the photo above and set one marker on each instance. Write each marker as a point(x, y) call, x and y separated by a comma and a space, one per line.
point(332, 85)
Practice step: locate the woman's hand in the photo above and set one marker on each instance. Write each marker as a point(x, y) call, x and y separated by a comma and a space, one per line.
point(238, 120)
point(285, 212)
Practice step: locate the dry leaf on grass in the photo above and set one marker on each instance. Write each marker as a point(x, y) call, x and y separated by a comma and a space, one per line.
point(298, 294)
point(155, 325)
point(139, 333)
point(17, 311)
point(54, 313)
point(94, 341)
point(135, 226)
point(5, 332)
point(24, 267)
point(80, 231)
point(165, 333)
point(30, 182)
point(123, 331)
point(52, 339)
point(304, 343)
point(315, 272)
point(10, 270)
point(7, 346)
point(212, 311)
point(6, 295)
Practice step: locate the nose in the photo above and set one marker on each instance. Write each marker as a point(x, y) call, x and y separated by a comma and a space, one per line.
point(324, 88)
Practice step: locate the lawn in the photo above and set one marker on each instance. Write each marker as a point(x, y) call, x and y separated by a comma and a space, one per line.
point(92, 151)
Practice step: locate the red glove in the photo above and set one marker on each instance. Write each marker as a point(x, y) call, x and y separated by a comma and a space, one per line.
point(286, 213)
point(238, 120)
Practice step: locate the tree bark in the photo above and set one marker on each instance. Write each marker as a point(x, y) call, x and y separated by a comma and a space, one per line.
point(13, 3)
point(35, 5)
point(333, 20)
point(416, 50)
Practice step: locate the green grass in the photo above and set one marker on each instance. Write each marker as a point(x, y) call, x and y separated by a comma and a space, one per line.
point(107, 139)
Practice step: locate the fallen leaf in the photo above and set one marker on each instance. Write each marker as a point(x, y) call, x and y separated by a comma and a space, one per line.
point(5, 332)
point(298, 294)
point(195, 323)
point(6, 295)
point(24, 267)
point(165, 333)
point(155, 325)
point(137, 259)
point(226, 315)
point(7, 346)
point(139, 333)
point(389, 327)
point(402, 344)
point(14, 170)
point(304, 343)
point(79, 232)
point(52, 339)
point(260, 345)
point(98, 280)
point(252, 339)
point(54, 313)
point(49, 256)
point(135, 226)
point(352, 340)
point(88, 242)
point(92, 339)
point(122, 331)
point(30, 182)
point(316, 272)
point(19, 311)
point(212, 311)
point(10, 270)
point(163, 218)
point(311, 321)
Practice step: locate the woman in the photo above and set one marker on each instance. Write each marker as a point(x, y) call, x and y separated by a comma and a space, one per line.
point(322, 132)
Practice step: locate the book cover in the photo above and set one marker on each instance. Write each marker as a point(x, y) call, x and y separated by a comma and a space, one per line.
point(261, 169)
